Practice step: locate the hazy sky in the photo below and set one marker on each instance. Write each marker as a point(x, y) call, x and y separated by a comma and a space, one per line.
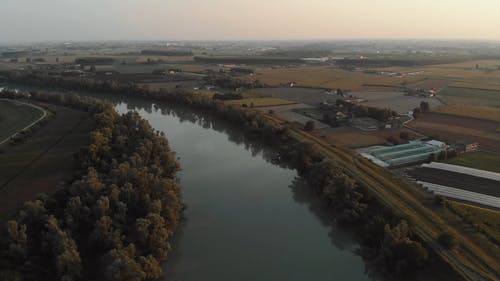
point(40, 20)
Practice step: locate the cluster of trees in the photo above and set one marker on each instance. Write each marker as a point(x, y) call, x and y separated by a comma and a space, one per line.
point(380, 114)
point(114, 221)
point(228, 96)
point(228, 82)
point(423, 108)
point(386, 238)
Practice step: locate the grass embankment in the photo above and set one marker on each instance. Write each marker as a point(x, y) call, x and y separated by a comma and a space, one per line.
point(15, 116)
point(407, 201)
point(44, 159)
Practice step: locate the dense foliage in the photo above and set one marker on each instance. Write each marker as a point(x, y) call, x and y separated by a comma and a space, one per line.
point(114, 221)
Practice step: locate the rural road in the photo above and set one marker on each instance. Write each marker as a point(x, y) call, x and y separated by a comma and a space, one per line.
point(44, 114)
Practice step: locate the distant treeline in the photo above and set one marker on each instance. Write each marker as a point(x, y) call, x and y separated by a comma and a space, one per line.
point(170, 53)
point(94, 61)
point(114, 221)
point(248, 60)
point(231, 83)
point(386, 239)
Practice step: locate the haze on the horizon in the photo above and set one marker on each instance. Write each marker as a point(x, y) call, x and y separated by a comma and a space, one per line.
point(60, 20)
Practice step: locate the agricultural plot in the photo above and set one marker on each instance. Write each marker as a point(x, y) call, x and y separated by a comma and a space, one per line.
point(456, 180)
point(468, 96)
point(479, 112)
point(260, 102)
point(326, 77)
point(464, 74)
point(44, 160)
point(396, 101)
point(349, 137)
point(479, 160)
point(15, 116)
point(289, 113)
point(456, 128)
point(304, 95)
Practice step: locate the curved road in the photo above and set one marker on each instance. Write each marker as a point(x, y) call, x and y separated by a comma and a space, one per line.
point(44, 114)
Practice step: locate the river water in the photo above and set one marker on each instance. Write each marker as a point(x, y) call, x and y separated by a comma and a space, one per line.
point(246, 218)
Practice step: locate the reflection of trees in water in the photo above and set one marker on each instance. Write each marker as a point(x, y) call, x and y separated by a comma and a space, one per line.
point(342, 238)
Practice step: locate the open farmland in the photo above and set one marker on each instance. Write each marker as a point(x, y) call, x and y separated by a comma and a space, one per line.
point(456, 128)
point(349, 137)
point(305, 95)
point(260, 102)
point(15, 116)
point(479, 112)
point(44, 159)
point(478, 160)
point(463, 74)
point(468, 96)
point(326, 77)
point(396, 101)
point(288, 112)
point(457, 180)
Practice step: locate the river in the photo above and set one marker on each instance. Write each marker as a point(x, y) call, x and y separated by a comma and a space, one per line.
point(246, 218)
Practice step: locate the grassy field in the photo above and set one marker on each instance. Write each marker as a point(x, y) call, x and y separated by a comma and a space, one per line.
point(485, 221)
point(260, 102)
point(463, 74)
point(326, 77)
point(478, 160)
point(479, 112)
point(467, 96)
point(43, 160)
point(14, 117)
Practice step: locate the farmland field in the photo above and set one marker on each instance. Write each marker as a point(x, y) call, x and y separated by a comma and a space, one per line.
point(468, 96)
point(463, 74)
point(305, 95)
point(43, 160)
point(456, 128)
point(478, 160)
point(457, 180)
point(260, 102)
point(15, 116)
point(396, 101)
point(479, 112)
point(326, 77)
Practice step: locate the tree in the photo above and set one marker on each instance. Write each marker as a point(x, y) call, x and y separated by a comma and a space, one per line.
point(309, 126)
point(404, 135)
point(424, 106)
point(448, 240)
point(399, 253)
point(416, 112)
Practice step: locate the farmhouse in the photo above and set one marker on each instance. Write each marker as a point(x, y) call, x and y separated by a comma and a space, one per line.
point(466, 146)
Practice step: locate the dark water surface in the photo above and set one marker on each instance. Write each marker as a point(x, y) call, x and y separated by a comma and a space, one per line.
point(247, 219)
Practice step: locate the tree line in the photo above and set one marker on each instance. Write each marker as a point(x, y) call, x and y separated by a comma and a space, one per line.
point(114, 221)
point(386, 239)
